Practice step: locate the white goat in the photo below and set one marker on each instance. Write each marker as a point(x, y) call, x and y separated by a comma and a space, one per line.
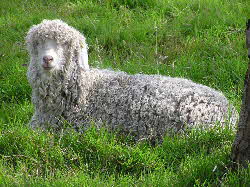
point(65, 88)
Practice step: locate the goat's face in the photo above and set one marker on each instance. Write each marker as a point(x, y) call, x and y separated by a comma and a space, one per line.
point(50, 56)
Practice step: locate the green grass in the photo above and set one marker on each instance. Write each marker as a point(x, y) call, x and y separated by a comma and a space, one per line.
point(200, 40)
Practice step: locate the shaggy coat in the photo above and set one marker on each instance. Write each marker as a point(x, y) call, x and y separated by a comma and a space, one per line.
point(146, 106)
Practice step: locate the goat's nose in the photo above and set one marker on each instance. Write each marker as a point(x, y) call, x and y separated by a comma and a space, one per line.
point(47, 59)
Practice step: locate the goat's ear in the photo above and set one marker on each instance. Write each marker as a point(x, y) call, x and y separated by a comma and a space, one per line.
point(83, 58)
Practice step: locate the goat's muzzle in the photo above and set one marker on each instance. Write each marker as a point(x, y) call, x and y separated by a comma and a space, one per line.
point(47, 60)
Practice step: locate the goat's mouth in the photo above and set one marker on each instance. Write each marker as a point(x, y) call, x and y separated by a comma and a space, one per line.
point(47, 68)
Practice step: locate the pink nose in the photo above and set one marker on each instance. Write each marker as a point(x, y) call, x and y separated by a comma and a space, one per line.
point(47, 59)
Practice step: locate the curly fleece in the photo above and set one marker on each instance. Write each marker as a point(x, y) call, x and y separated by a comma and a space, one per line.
point(146, 106)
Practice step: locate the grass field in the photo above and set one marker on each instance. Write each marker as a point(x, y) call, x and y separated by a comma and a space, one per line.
point(202, 40)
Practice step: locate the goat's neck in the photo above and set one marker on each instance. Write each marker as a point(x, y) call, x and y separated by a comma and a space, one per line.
point(54, 94)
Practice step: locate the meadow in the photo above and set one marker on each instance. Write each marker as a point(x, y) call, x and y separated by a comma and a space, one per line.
point(201, 40)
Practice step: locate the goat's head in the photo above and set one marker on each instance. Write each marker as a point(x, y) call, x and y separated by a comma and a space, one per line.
point(55, 46)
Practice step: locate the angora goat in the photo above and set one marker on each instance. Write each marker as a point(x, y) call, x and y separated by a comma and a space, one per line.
point(64, 88)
